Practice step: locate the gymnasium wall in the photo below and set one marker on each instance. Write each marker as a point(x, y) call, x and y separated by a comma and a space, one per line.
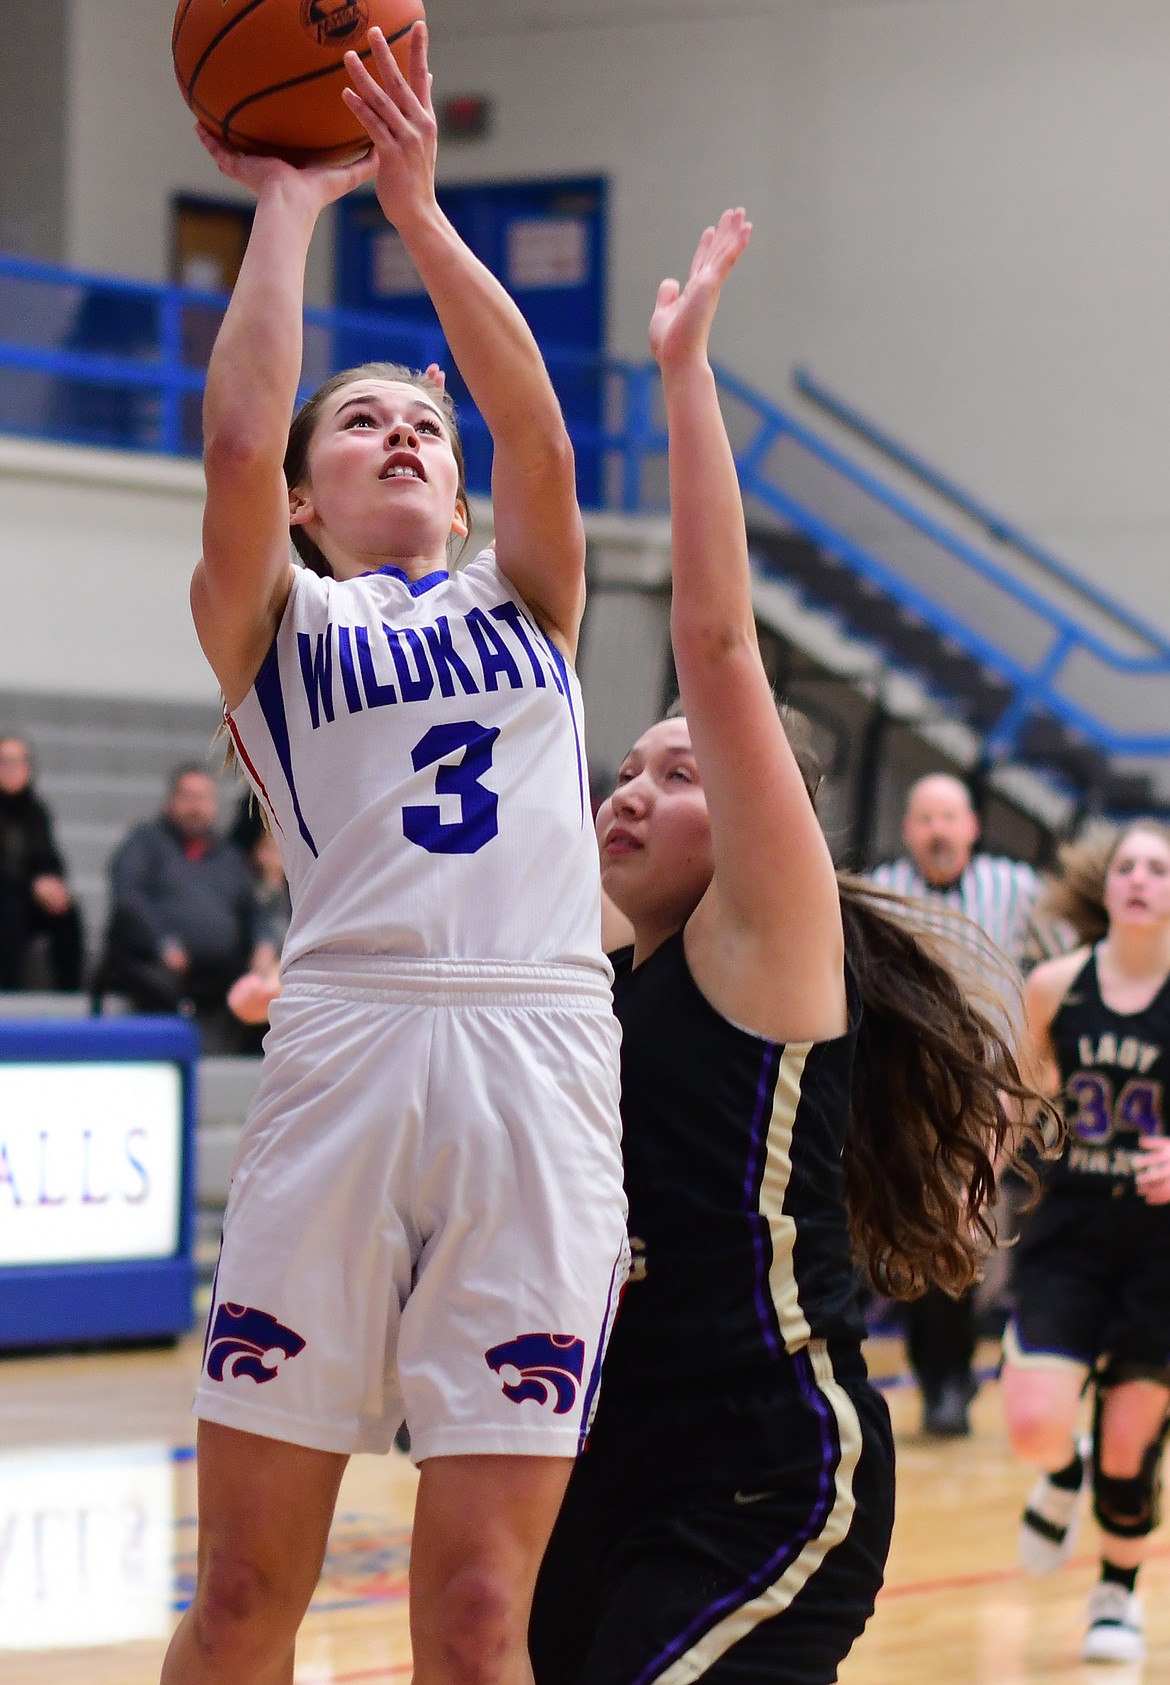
point(962, 220)
point(96, 553)
point(131, 146)
point(961, 211)
point(34, 83)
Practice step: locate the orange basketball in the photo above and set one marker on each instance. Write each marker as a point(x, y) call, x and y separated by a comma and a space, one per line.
point(267, 75)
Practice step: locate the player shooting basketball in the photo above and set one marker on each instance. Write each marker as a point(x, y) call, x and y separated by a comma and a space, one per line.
point(426, 1217)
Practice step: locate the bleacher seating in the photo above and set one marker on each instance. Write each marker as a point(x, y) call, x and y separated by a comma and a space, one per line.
point(225, 1089)
point(46, 1003)
point(102, 765)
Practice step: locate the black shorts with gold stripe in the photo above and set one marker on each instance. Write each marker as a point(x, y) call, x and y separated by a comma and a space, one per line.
point(733, 1539)
point(1092, 1285)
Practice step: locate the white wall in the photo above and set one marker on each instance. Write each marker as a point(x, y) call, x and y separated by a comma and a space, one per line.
point(961, 219)
point(132, 146)
point(686, 109)
point(96, 553)
point(992, 253)
point(33, 97)
point(961, 211)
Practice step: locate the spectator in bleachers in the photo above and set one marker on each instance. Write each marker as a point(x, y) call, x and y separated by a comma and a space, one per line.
point(184, 916)
point(998, 897)
point(34, 896)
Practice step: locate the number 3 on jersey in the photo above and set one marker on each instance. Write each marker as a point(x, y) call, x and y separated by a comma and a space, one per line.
point(478, 820)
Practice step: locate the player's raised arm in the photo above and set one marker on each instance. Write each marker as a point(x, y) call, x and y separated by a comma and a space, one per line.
point(539, 537)
point(774, 892)
point(242, 581)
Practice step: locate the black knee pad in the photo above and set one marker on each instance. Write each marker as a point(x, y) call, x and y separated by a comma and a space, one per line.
point(1129, 1506)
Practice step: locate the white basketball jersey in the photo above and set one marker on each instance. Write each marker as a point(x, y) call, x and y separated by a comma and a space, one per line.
point(418, 747)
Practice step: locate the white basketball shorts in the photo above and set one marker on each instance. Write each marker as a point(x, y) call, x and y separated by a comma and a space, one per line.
point(426, 1219)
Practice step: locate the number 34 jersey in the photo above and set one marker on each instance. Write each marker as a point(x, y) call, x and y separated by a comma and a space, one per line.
point(418, 747)
point(1114, 1070)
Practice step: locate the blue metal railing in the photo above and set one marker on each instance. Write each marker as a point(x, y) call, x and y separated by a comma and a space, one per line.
point(122, 363)
point(1036, 680)
point(96, 359)
point(100, 360)
point(997, 526)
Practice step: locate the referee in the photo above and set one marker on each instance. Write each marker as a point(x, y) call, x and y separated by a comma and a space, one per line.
point(940, 830)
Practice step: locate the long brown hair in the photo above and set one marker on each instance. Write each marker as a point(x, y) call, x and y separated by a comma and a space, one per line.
point(938, 1098)
point(1076, 895)
point(300, 435)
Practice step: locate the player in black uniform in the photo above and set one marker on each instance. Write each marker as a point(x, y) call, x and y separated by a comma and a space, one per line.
point(731, 1515)
point(1093, 1269)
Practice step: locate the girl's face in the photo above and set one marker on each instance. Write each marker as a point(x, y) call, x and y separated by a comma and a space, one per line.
point(654, 832)
point(1137, 884)
point(383, 481)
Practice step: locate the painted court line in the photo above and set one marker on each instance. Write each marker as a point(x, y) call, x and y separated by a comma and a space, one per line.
point(990, 1576)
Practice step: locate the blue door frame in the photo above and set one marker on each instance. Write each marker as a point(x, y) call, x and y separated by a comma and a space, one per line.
point(546, 241)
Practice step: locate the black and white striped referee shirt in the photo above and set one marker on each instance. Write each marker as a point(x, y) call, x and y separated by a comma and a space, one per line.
point(996, 894)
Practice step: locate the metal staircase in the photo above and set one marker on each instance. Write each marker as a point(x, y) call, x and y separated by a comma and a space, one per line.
point(1046, 671)
point(1119, 769)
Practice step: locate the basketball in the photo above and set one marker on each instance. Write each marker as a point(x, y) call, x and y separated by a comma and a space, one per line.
point(267, 75)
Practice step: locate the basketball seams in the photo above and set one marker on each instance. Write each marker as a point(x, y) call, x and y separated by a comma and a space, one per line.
point(324, 70)
point(297, 81)
point(244, 12)
point(206, 116)
point(180, 20)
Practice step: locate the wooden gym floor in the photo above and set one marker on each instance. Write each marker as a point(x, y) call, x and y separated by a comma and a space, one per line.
point(97, 1540)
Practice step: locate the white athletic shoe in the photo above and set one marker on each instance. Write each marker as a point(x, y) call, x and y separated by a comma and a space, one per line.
point(1115, 1626)
point(1052, 1515)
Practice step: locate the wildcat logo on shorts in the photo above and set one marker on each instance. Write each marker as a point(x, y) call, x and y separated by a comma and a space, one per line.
point(248, 1342)
point(540, 1366)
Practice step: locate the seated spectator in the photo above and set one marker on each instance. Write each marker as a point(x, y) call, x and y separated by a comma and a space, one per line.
point(183, 914)
point(34, 896)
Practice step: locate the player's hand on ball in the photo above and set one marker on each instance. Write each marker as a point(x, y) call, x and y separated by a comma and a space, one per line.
point(681, 323)
point(1152, 1171)
point(323, 183)
point(397, 114)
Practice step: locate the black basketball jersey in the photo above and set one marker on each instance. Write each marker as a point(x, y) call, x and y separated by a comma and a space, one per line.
point(1113, 1071)
point(732, 1146)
